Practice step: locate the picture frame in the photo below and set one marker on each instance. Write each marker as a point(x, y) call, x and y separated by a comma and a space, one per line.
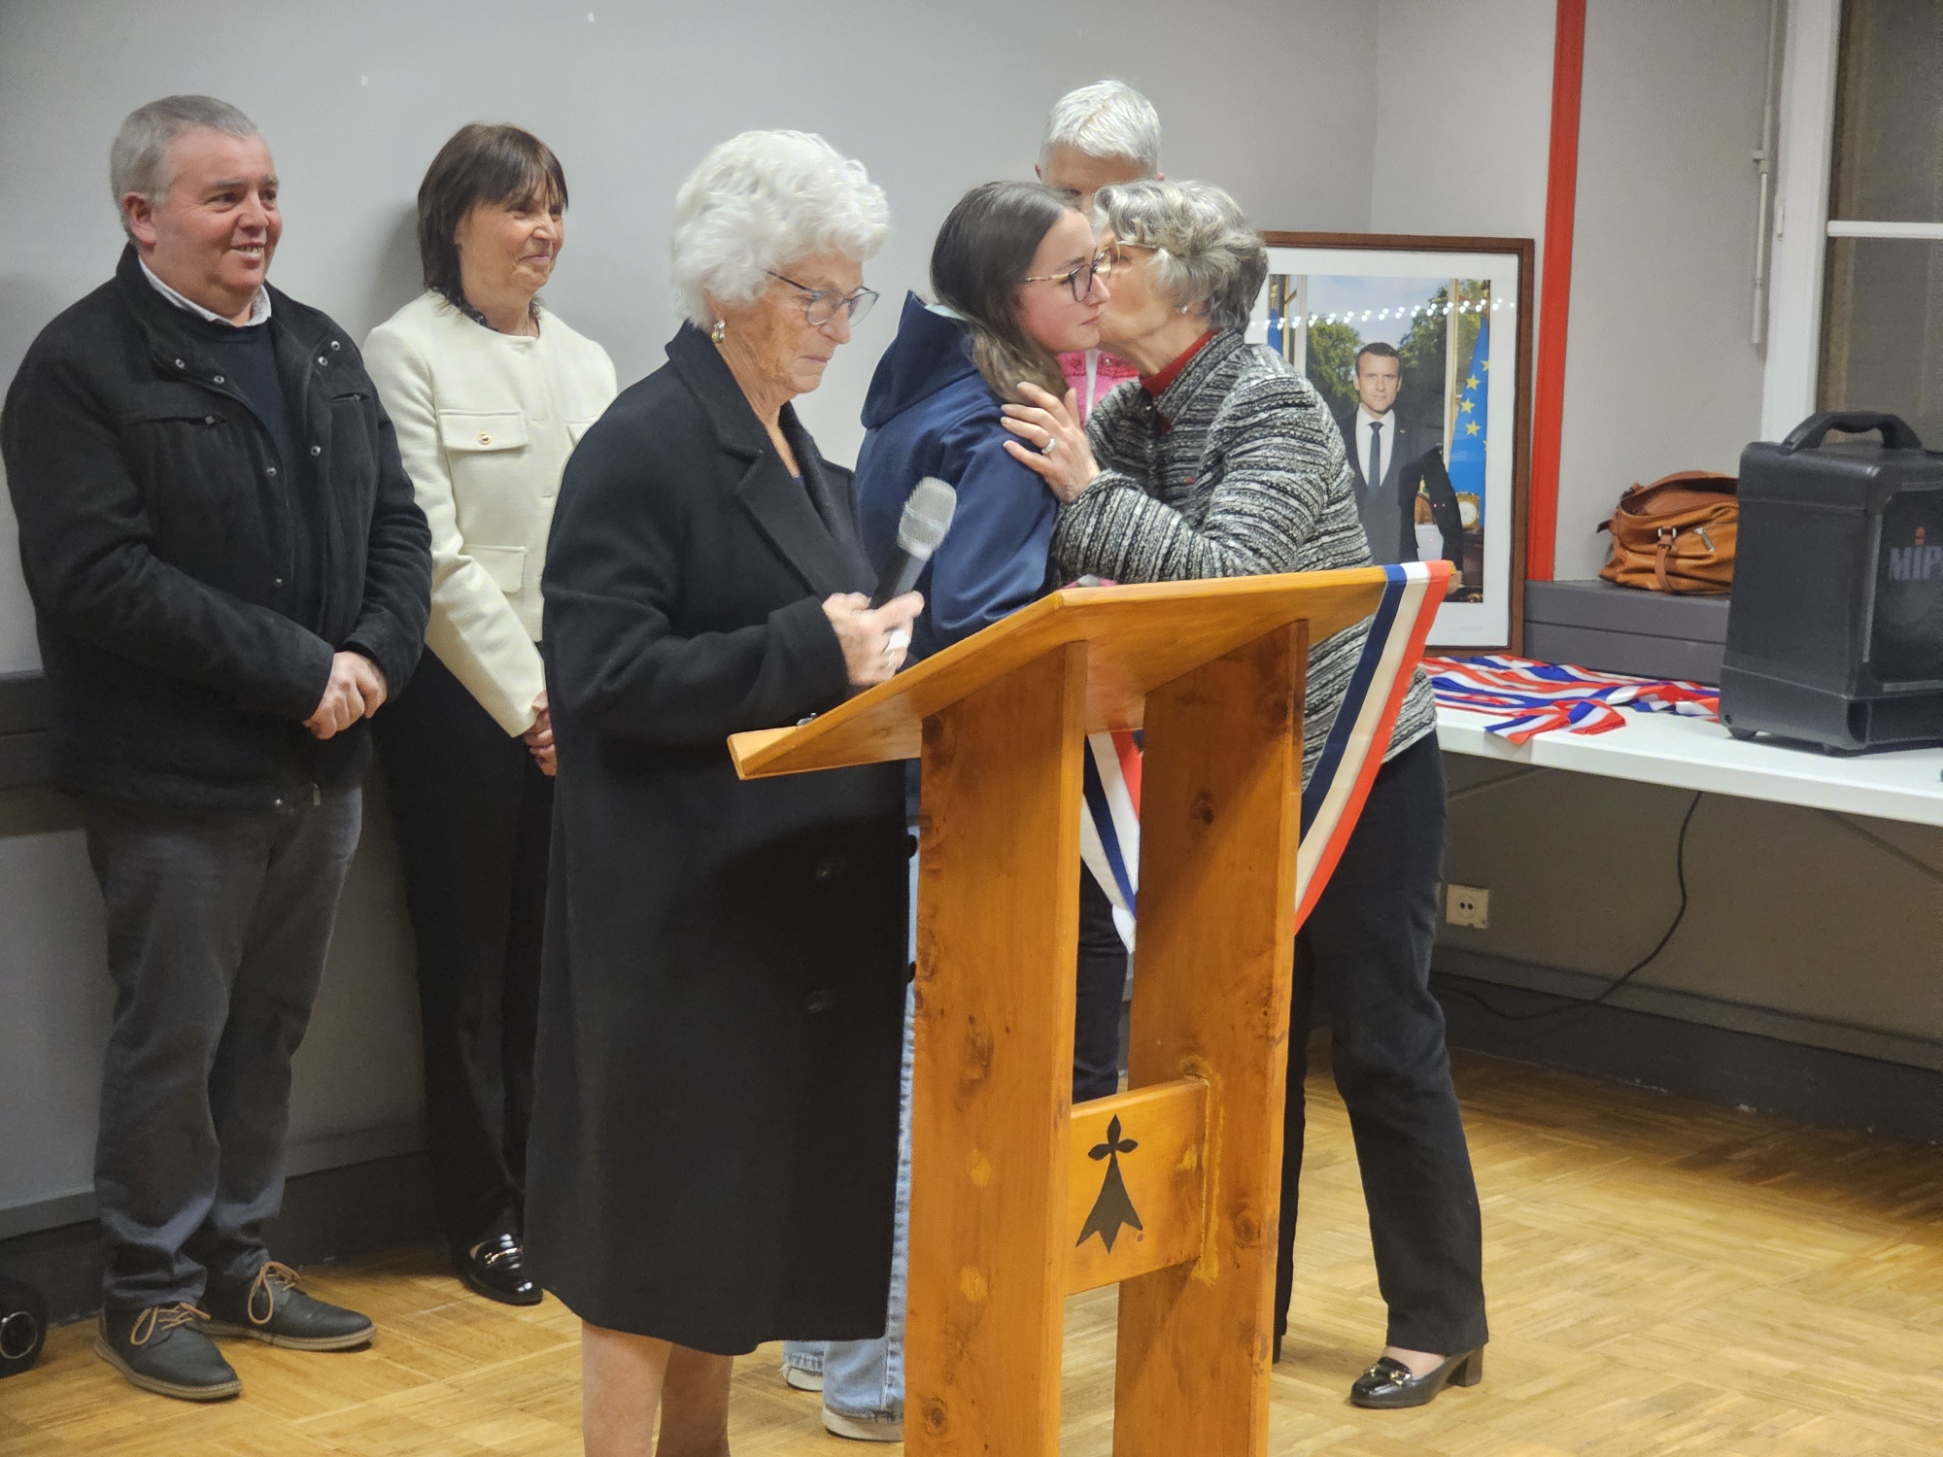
point(1407, 338)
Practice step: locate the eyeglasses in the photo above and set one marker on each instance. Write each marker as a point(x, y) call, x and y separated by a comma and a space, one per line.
point(1079, 279)
point(820, 305)
point(1117, 252)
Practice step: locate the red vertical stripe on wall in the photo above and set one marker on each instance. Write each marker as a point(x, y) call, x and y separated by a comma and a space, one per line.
point(1555, 299)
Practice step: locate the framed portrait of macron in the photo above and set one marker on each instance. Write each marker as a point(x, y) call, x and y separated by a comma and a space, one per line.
point(1421, 349)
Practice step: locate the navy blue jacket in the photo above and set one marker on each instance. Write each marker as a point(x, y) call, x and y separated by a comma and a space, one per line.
point(930, 413)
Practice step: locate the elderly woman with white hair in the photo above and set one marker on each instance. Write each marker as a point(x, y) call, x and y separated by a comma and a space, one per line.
point(715, 1123)
point(1223, 462)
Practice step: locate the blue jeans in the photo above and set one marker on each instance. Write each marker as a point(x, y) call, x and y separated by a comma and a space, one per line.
point(864, 1380)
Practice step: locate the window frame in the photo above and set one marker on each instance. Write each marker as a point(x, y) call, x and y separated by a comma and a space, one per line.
point(1811, 62)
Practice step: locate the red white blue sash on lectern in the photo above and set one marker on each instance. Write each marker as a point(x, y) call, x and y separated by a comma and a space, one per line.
point(1109, 830)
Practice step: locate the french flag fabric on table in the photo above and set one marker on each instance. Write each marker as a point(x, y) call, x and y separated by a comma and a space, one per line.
point(1529, 698)
point(1333, 798)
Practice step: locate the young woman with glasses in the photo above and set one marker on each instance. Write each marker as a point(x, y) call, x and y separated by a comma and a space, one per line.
point(1017, 281)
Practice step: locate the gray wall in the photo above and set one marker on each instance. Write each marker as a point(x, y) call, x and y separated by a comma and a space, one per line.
point(1464, 110)
point(1801, 925)
point(1659, 371)
point(354, 97)
point(1660, 375)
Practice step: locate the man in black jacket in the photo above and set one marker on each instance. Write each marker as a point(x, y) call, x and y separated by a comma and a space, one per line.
point(230, 574)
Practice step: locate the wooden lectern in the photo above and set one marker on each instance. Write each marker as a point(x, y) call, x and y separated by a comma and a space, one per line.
point(1170, 1189)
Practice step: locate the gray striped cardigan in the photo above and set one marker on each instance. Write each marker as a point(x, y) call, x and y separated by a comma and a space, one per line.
point(1236, 470)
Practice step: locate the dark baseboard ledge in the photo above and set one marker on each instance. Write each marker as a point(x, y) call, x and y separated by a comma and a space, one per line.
point(1812, 1085)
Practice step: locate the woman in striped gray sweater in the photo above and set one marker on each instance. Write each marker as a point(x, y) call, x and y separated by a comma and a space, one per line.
point(1223, 462)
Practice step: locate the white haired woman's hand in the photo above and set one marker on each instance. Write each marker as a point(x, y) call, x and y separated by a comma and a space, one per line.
point(1056, 442)
point(875, 640)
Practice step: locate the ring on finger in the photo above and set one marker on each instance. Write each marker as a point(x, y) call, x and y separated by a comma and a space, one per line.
point(1051, 445)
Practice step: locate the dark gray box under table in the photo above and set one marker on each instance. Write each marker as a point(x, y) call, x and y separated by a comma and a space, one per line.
point(1626, 630)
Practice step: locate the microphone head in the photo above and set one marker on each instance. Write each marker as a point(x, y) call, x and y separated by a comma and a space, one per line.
point(926, 519)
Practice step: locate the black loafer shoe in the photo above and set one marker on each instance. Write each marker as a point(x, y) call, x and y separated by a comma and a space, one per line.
point(273, 1310)
point(1389, 1383)
point(496, 1269)
point(165, 1349)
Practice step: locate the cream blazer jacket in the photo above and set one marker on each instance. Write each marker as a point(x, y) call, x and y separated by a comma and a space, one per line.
point(485, 424)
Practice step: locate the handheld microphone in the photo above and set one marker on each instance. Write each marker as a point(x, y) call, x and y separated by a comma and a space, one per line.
point(926, 519)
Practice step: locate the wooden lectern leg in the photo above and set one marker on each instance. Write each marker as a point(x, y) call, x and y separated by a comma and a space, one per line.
point(1220, 812)
point(998, 914)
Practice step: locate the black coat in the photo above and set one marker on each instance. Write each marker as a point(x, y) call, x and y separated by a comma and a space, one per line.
point(714, 1142)
point(156, 538)
point(1416, 463)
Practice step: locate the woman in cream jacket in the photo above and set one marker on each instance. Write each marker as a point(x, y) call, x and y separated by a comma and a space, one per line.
point(489, 393)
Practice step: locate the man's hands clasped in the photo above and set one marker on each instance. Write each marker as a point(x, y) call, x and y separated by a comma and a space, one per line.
point(875, 641)
point(356, 689)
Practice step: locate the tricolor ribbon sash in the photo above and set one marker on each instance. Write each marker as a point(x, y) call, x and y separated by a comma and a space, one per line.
point(1528, 697)
point(1333, 797)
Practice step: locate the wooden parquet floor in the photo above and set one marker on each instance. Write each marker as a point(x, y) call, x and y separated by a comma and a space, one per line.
point(1664, 1277)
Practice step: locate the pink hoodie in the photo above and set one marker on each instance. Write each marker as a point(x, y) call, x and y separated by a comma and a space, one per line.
point(1105, 371)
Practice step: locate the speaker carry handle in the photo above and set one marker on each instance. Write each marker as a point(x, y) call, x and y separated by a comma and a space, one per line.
point(1896, 433)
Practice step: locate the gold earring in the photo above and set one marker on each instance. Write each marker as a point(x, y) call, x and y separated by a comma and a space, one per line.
point(718, 331)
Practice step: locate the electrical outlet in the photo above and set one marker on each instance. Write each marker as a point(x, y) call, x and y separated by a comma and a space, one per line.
point(1467, 905)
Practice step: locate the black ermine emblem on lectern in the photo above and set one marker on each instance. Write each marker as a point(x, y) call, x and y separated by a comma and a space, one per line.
point(1113, 1208)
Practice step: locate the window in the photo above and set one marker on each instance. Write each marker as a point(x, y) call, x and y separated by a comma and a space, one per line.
point(1882, 301)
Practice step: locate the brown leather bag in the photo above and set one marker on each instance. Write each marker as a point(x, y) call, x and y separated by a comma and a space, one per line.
point(1675, 534)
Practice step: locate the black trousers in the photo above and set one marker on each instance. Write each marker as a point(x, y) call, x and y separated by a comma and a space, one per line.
point(1365, 951)
point(1100, 995)
point(473, 815)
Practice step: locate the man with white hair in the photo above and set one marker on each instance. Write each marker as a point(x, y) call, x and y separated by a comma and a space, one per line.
point(1096, 136)
point(230, 574)
point(1100, 134)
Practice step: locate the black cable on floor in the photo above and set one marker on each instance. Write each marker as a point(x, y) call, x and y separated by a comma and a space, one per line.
point(1583, 1004)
